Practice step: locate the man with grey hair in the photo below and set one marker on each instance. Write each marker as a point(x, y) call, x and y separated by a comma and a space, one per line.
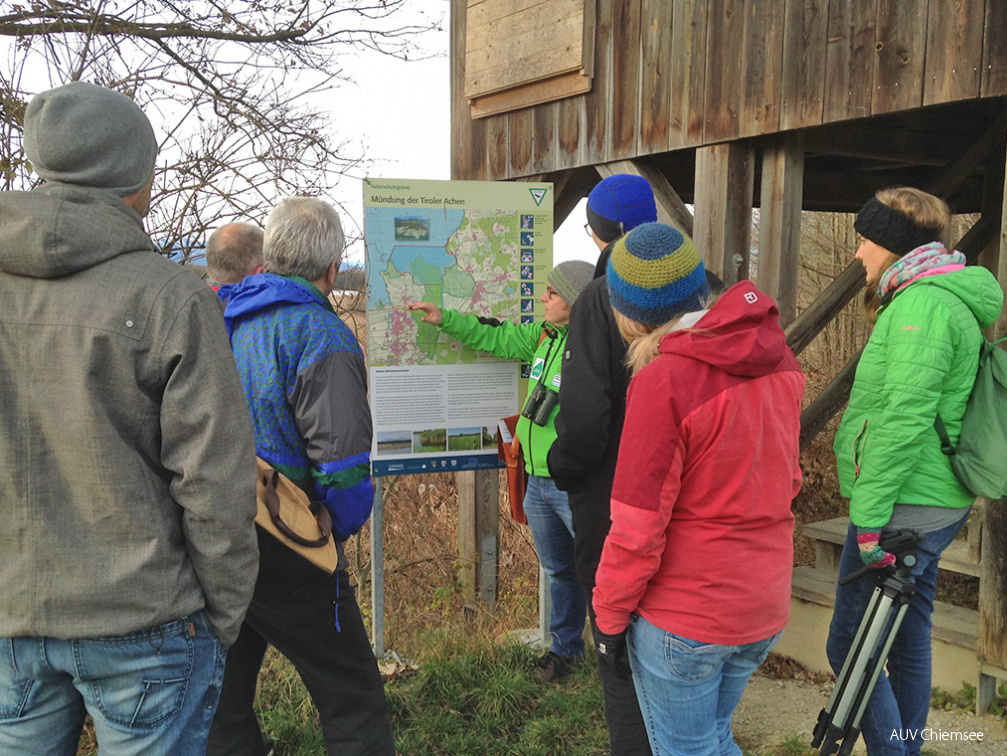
point(127, 553)
point(233, 252)
point(306, 385)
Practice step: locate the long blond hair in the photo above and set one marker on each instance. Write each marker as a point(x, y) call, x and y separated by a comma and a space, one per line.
point(645, 340)
point(924, 210)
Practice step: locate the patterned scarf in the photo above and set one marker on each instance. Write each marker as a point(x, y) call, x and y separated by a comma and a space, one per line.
point(928, 260)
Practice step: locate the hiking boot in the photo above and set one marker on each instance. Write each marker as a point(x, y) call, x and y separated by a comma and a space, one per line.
point(553, 667)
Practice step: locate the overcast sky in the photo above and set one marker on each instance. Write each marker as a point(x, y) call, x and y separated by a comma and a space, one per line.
point(400, 114)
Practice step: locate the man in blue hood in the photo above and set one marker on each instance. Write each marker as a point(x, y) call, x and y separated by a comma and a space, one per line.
point(306, 385)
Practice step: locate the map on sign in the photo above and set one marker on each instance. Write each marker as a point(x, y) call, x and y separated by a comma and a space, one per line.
point(466, 260)
point(478, 247)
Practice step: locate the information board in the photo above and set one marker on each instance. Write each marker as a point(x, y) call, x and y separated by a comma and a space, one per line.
point(473, 246)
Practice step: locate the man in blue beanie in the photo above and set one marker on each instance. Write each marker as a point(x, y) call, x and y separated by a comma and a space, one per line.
point(617, 205)
point(589, 424)
point(128, 553)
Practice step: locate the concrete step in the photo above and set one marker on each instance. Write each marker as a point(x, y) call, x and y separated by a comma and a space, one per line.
point(952, 624)
point(956, 558)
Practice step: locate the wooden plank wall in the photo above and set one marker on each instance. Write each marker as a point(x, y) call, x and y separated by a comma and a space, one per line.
point(674, 74)
point(512, 43)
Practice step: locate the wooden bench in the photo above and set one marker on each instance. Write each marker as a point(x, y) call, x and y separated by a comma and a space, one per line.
point(953, 624)
point(962, 556)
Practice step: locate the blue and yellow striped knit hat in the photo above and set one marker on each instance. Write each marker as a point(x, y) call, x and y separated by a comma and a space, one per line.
point(656, 274)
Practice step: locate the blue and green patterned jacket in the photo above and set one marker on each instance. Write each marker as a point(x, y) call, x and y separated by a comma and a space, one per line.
point(306, 385)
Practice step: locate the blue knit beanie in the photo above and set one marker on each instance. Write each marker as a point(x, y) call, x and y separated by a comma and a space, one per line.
point(619, 204)
point(656, 274)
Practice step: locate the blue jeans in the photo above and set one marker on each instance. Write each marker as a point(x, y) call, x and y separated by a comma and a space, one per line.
point(688, 690)
point(150, 692)
point(549, 518)
point(901, 699)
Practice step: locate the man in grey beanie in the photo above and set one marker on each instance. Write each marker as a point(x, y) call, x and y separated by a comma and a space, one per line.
point(128, 553)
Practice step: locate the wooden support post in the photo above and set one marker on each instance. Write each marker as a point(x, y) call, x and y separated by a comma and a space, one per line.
point(478, 534)
point(725, 179)
point(991, 644)
point(817, 414)
point(576, 188)
point(467, 540)
point(994, 254)
point(670, 207)
point(780, 221)
point(564, 199)
point(991, 647)
point(378, 573)
point(826, 306)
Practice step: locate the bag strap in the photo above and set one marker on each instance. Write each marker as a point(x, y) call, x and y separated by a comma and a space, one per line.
point(273, 505)
point(942, 432)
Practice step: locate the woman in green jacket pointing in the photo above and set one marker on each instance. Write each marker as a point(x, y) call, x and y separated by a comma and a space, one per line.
point(921, 359)
point(547, 507)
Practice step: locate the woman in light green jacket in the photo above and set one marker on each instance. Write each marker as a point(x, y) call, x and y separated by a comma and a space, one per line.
point(546, 506)
point(921, 359)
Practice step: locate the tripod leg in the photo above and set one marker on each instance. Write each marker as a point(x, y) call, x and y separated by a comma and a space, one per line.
point(861, 662)
point(827, 716)
point(877, 668)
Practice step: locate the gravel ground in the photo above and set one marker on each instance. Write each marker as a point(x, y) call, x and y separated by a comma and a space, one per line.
point(773, 710)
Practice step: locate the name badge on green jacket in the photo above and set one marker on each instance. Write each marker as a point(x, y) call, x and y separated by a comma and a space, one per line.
point(536, 368)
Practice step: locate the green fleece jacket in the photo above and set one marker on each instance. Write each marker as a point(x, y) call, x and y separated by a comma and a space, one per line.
point(520, 342)
point(921, 359)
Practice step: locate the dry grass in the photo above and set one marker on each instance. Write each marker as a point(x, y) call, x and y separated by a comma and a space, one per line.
point(421, 576)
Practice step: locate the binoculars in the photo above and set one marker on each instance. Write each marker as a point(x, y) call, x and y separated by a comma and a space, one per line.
point(540, 404)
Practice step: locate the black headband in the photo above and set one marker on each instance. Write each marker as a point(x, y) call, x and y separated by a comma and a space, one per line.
point(891, 229)
point(605, 229)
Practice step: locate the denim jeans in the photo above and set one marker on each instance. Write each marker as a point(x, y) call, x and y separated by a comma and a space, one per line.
point(688, 690)
point(150, 692)
point(901, 699)
point(548, 512)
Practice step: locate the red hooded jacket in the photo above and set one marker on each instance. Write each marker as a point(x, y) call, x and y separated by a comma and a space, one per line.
point(701, 543)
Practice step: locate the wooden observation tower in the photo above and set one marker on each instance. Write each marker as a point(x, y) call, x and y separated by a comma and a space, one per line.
point(730, 105)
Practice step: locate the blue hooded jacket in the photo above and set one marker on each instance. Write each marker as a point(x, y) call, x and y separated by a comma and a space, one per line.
point(306, 384)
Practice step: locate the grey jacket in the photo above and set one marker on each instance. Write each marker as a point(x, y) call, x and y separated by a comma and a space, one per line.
point(126, 450)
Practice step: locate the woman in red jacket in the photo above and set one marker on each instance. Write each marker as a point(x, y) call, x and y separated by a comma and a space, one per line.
point(694, 581)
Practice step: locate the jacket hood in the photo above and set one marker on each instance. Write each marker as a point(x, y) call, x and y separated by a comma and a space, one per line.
point(740, 335)
point(260, 292)
point(58, 229)
point(975, 286)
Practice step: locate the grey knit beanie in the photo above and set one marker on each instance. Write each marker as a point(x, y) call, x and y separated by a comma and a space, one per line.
point(569, 279)
point(90, 136)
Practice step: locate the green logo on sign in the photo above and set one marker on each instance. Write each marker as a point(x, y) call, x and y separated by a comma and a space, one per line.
point(538, 195)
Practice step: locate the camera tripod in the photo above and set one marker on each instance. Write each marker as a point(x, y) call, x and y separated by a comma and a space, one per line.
point(838, 725)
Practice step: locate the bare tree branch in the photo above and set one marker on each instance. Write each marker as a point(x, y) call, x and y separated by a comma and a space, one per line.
point(234, 89)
